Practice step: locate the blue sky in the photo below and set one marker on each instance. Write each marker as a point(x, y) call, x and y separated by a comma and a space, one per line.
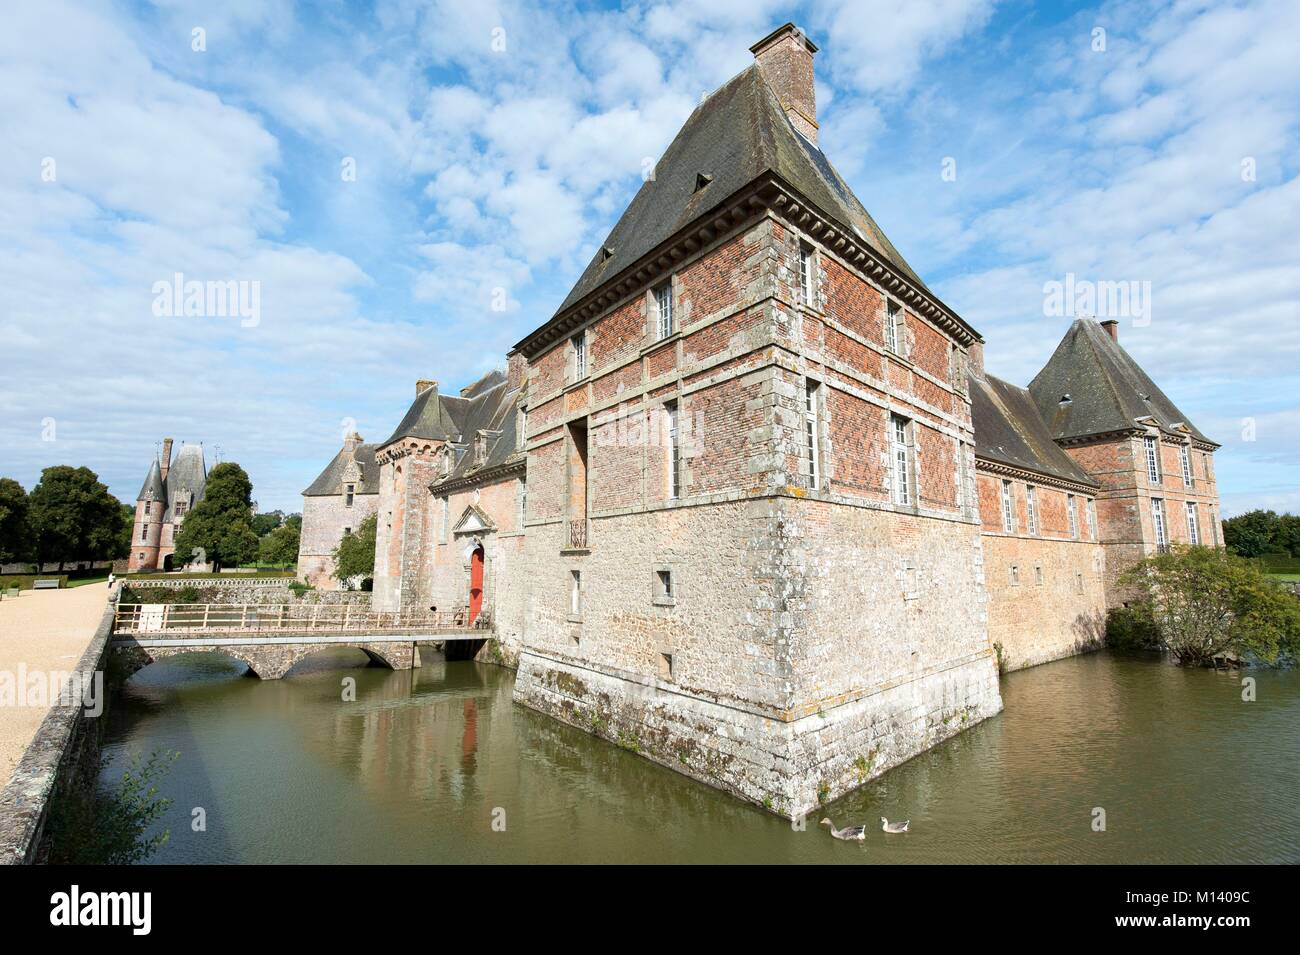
point(495, 143)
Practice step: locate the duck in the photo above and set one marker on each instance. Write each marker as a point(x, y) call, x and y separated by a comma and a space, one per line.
point(894, 827)
point(848, 833)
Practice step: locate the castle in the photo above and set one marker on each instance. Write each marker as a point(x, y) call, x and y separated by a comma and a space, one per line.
point(748, 502)
point(170, 491)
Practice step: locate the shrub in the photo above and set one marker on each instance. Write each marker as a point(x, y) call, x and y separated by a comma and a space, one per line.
point(1128, 628)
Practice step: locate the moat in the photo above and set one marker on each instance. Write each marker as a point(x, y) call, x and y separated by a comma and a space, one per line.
point(421, 764)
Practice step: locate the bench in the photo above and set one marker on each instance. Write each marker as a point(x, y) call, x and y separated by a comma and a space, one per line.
point(49, 583)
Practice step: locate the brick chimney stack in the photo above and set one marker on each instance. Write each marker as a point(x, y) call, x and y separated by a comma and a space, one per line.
point(785, 57)
point(423, 385)
point(352, 441)
point(1112, 329)
point(166, 462)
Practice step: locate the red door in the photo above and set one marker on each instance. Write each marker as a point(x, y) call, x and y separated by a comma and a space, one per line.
point(475, 584)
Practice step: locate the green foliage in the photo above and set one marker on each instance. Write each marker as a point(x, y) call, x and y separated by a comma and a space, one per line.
point(25, 581)
point(1257, 533)
point(355, 555)
point(94, 827)
point(299, 588)
point(280, 546)
point(1205, 603)
point(16, 543)
point(264, 523)
point(1131, 628)
point(73, 517)
point(220, 525)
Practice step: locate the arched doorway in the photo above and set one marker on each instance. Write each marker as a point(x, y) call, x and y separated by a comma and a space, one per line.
point(475, 584)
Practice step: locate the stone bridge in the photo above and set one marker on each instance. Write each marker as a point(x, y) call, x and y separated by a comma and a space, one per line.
point(269, 640)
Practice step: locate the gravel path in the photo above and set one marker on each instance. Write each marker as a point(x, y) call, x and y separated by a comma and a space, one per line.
point(48, 631)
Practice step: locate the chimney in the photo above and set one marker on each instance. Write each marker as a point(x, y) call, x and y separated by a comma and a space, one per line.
point(352, 441)
point(785, 57)
point(423, 385)
point(1112, 329)
point(975, 360)
point(165, 464)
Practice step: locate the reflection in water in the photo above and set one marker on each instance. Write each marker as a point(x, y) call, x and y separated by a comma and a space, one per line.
point(412, 770)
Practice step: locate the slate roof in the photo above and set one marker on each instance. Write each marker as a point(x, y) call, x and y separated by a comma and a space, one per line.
point(152, 489)
point(330, 481)
point(426, 418)
point(1108, 390)
point(736, 135)
point(1009, 430)
point(188, 473)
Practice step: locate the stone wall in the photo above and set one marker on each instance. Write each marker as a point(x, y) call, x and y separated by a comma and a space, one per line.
point(325, 519)
point(817, 632)
point(64, 753)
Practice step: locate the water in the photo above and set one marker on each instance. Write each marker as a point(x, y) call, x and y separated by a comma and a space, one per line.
point(415, 769)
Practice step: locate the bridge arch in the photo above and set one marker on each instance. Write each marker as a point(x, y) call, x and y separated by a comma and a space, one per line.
point(267, 662)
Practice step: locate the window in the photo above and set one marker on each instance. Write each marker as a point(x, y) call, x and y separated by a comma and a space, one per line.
point(1185, 458)
point(579, 342)
point(349, 492)
point(892, 321)
point(1158, 519)
point(575, 592)
point(1074, 517)
point(523, 503)
point(665, 666)
point(674, 451)
point(663, 584)
point(812, 437)
point(1031, 504)
point(664, 306)
point(1008, 511)
point(1153, 460)
point(1193, 531)
point(806, 262)
point(1038, 574)
point(901, 459)
point(1014, 573)
point(446, 519)
point(144, 532)
point(1091, 510)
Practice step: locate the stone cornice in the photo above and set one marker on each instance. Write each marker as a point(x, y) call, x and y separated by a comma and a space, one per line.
point(767, 193)
point(1033, 477)
point(478, 478)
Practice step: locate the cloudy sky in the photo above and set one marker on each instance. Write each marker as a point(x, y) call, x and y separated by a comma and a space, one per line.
point(382, 169)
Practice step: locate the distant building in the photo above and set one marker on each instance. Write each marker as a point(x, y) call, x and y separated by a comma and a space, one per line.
point(341, 497)
point(170, 491)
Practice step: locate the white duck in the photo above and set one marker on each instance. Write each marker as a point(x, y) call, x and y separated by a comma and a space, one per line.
point(848, 833)
point(894, 827)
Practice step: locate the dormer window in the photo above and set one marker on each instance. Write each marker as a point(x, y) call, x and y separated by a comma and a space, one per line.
point(702, 179)
point(480, 448)
point(1066, 399)
point(606, 253)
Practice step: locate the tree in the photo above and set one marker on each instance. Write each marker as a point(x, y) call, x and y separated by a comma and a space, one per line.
point(263, 524)
point(280, 546)
point(1288, 534)
point(15, 530)
point(1252, 534)
point(221, 525)
point(74, 517)
point(355, 556)
point(1205, 603)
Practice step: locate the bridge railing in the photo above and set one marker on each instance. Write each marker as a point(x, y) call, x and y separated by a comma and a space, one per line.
point(296, 618)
